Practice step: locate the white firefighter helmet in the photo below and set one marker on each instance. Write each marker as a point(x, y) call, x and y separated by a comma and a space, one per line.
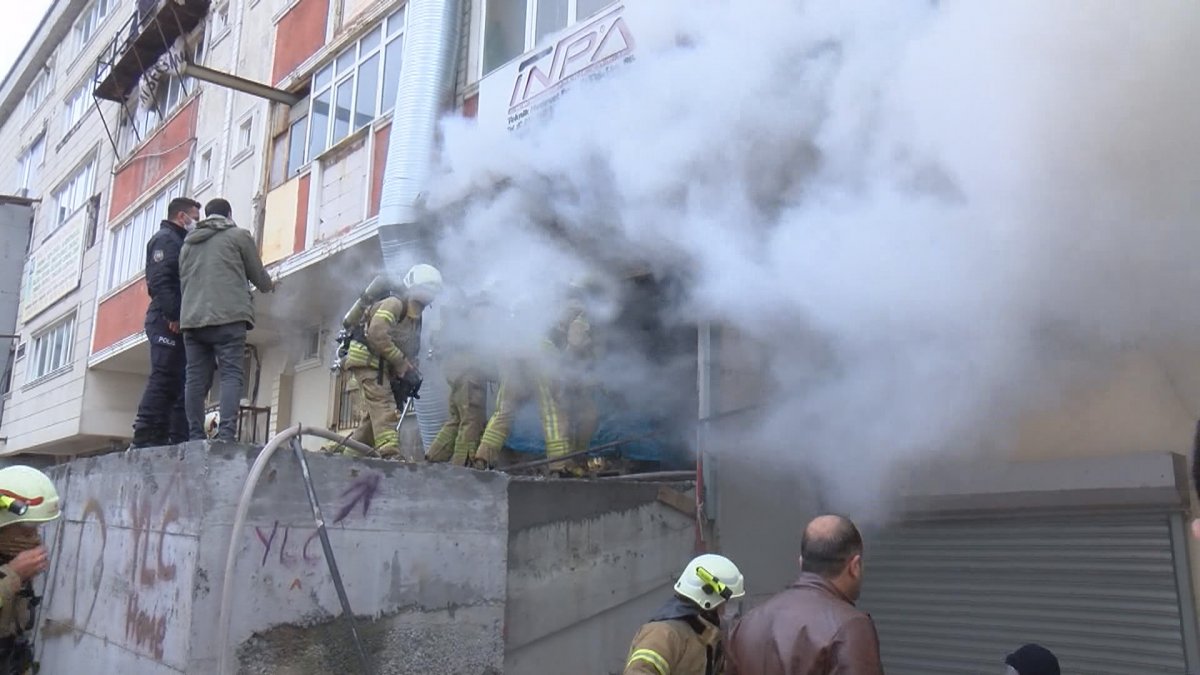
point(27, 496)
point(211, 421)
point(423, 283)
point(710, 580)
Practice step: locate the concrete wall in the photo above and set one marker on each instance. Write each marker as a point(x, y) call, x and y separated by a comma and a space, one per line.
point(441, 565)
point(589, 562)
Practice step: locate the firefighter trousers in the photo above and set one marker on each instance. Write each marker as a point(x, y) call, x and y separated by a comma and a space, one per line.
point(378, 429)
point(458, 438)
point(515, 391)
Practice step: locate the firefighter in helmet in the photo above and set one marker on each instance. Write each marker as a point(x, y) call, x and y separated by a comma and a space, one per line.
point(383, 353)
point(458, 438)
point(684, 636)
point(27, 499)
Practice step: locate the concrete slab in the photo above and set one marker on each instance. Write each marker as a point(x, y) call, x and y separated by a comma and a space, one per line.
point(448, 570)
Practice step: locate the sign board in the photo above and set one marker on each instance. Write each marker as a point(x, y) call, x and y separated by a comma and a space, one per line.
point(54, 269)
point(530, 84)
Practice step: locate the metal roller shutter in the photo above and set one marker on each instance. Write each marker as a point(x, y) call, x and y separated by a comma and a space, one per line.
point(1099, 590)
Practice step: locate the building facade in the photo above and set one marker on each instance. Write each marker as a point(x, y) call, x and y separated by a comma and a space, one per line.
point(1092, 499)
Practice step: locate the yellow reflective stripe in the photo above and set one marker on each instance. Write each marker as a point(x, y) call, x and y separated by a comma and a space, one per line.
point(392, 352)
point(385, 315)
point(652, 657)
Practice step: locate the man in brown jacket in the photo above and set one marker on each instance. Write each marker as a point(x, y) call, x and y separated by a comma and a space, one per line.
point(813, 627)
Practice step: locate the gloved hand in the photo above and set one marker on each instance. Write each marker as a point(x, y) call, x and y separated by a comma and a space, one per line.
point(406, 387)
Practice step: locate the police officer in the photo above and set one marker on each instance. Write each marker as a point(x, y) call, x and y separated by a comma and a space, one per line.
point(161, 419)
point(27, 499)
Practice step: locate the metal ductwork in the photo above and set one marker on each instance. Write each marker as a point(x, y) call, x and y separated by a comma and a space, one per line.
point(425, 91)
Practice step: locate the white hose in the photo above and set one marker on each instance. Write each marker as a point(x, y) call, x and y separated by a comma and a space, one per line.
point(224, 655)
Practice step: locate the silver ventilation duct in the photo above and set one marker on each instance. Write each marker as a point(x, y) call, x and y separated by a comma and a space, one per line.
point(425, 91)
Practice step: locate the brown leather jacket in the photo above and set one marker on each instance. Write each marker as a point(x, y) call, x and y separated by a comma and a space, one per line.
point(808, 629)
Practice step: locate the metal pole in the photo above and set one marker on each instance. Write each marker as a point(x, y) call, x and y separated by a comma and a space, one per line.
point(403, 414)
point(328, 549)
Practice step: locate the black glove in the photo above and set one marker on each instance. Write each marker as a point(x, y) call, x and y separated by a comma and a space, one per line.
point(406, 387)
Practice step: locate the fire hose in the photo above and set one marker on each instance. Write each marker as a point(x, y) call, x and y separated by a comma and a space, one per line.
point(290, 435)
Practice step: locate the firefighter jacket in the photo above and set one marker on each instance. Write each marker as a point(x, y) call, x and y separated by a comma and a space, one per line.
point(14, 605)
point(216, 261)
point(162, 271)
point(681, 639)
point(389, 333)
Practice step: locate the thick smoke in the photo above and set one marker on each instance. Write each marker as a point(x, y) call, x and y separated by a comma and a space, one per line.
point(930, 217)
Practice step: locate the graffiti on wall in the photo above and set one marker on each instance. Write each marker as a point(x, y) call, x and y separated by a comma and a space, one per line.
point(297, 546)
point(134, 528)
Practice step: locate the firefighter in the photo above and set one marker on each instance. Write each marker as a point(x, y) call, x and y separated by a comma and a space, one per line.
point(382, 356)
point(572, 337)
point(161, 419)
point(27, 499)
point(684, 636)
point(520, 380)
point(458, 438)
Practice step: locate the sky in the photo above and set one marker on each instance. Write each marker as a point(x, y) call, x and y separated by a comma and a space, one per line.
point(20, 20)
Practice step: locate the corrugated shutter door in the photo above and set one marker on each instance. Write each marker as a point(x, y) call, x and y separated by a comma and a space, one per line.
point(956, 596)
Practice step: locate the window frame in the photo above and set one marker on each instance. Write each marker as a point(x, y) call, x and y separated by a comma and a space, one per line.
point(40, 365)
point(80, 41)
point(81, 94)
point(29, 173)
point(37, 93)
point(531, 33)
point(126, 247)
point(61, 217)
point(351, 73)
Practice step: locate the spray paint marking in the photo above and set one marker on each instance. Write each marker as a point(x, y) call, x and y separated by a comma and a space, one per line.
point(90, 509)
point(287, 558)
point(144, 629)
point(362, 490)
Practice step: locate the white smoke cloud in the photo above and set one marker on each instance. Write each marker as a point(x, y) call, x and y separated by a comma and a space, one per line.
point(932, 216)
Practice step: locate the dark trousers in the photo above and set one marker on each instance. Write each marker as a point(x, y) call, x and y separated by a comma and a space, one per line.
point(215, 348)
point(160, 418)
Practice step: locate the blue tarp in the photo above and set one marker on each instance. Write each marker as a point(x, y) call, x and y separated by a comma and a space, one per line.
point(615, 424)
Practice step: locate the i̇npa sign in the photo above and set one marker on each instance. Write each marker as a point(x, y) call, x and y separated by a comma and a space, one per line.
point(523, 87)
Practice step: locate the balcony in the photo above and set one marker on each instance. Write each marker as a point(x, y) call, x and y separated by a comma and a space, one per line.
point(148, 34)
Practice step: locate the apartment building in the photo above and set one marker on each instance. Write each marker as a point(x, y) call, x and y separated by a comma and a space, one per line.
point(116, 109)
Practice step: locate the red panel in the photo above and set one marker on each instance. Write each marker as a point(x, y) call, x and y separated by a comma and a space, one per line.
point(301, 213)
point(378, 164)
point(166, 151)
point(470, 107)
point(120, 316)
point(298, 35)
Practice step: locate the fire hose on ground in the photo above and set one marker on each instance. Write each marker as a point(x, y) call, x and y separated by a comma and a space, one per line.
point(291, 436)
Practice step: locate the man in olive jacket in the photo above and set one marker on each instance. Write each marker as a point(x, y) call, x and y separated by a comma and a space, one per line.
point(216, 261)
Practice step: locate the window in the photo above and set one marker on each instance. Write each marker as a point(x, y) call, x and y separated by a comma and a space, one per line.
point(507, 33)
point(310, 348)
point(89, 20)
point(73, 193)
point(346, 415)
point(358, 86)
point(245, 137)
point(127, 245)
point(52, 349)
point(75, 107)
point(30, 162)
point(167, 93)
point(38, 89)
point(203, 168)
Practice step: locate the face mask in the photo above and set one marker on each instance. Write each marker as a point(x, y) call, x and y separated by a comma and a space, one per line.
point(189, 224)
